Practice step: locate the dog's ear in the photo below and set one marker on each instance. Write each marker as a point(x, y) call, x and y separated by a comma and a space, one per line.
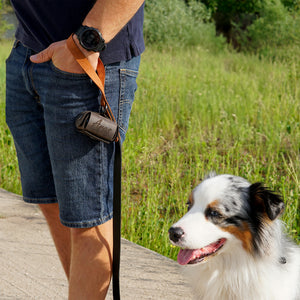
point(265, 201)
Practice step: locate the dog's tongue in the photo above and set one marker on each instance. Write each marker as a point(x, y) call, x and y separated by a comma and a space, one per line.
point(187, 255)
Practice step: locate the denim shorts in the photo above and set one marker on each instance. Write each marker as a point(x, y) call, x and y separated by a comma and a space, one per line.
point(56, 162)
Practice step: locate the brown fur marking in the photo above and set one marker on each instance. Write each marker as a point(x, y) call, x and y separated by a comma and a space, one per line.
point(244, 235)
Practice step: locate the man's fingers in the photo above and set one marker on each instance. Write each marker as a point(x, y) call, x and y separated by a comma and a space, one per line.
point(42, 56)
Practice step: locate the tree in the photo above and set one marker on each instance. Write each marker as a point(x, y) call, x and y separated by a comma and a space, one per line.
point(232, 17)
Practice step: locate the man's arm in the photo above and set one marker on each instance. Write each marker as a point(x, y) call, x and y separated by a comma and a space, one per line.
point(108, 16)
point(111, 16)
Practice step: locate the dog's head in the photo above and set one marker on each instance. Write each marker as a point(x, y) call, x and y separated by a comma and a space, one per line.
point(225, 211)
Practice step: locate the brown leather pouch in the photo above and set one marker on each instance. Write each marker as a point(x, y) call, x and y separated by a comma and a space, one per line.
point(96, 126)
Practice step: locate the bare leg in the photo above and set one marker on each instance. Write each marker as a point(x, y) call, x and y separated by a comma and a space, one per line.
point(86, 255)
point(61, 235)
point(91, 262)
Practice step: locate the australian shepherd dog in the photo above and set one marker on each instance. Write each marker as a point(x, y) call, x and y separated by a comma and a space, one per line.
point(233, 245)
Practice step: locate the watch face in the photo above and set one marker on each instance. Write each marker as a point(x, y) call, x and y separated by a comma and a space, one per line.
point(90, 38)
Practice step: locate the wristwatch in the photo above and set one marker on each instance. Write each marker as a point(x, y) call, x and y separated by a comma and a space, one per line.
point(90, 38)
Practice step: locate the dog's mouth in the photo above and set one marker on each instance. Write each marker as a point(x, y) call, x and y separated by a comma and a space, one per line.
point(194, 256)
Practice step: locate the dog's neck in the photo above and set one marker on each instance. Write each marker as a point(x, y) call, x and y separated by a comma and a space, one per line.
point(230, 274)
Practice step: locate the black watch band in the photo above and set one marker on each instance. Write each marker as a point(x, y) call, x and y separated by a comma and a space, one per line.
point(90, 38)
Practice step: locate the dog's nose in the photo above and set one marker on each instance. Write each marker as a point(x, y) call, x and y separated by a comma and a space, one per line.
point(175, 234)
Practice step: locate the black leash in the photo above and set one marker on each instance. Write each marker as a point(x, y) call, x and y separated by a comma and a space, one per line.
point(99, 79)
point(117, 220)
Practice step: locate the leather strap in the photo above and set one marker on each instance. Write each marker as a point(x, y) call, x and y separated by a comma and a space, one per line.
point(99, 79)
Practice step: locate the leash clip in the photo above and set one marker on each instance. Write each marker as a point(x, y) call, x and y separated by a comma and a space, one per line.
point(103, 110)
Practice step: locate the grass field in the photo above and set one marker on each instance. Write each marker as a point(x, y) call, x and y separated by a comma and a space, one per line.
point(197, 111)
point(9, 175)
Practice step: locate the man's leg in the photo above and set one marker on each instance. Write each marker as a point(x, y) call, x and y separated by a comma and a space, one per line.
point(86, 255)
point(61, 234)
point(91, 262)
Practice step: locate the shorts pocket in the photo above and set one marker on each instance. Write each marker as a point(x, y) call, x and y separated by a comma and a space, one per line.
point(128, 87)
point(65, 74)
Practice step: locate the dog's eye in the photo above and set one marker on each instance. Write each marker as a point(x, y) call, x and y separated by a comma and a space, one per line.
point(212, 213)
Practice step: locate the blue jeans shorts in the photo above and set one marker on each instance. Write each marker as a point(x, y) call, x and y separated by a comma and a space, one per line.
point(58, 164)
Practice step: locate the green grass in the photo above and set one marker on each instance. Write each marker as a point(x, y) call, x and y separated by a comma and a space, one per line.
point(9, 172)
point(197, 111)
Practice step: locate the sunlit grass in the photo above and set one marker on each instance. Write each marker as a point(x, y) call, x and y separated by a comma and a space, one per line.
point(197, 111)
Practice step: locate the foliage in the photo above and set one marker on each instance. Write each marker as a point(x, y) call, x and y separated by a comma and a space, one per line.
point(170, 23)
point(232, 16)
point(292, 5)
point(4, 7)
point(231, 7)
point(276, 27)
point(255, 24)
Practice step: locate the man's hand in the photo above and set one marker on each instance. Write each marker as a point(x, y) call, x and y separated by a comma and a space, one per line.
point(63, 59)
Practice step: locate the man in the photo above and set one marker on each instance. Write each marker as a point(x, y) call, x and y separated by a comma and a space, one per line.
point(62, 170)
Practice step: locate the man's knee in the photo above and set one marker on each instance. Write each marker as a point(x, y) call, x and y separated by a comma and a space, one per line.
point(50, 210)
point(100, 236)
point(99, 232)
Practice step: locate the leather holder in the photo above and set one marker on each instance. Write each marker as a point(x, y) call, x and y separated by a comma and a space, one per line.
point(97, 126)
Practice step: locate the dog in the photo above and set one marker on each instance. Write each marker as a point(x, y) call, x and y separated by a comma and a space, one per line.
point(233, 245)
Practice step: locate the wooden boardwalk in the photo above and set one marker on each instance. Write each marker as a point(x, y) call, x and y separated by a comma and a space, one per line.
point(30, 268)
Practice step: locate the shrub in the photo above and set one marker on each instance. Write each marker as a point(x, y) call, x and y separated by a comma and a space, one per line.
point(232, 17)
point(4, 7)
point(257, 24)
point(292, 5)
point(173, 23)
point(276, 27)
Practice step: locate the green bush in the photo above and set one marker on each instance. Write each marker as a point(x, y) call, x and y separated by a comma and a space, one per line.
point(5, 6)
point(172, 23)
point(257, 25)
point(292, 5)
point(275, 27)
point(2, 23)
point(231, 17)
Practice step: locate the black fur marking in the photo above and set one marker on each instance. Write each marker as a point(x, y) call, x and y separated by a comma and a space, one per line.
point(265, 201)
point(235, 220)
point(265, 206)
point(282, 260)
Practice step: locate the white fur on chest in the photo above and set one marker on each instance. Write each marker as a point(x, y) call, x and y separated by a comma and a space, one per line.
point(240, 276)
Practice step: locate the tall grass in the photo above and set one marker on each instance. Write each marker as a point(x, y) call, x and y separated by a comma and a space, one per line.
point(9, 173)
point(197, 111)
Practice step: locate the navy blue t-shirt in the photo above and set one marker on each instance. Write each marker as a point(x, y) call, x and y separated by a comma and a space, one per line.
point(44, 22)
